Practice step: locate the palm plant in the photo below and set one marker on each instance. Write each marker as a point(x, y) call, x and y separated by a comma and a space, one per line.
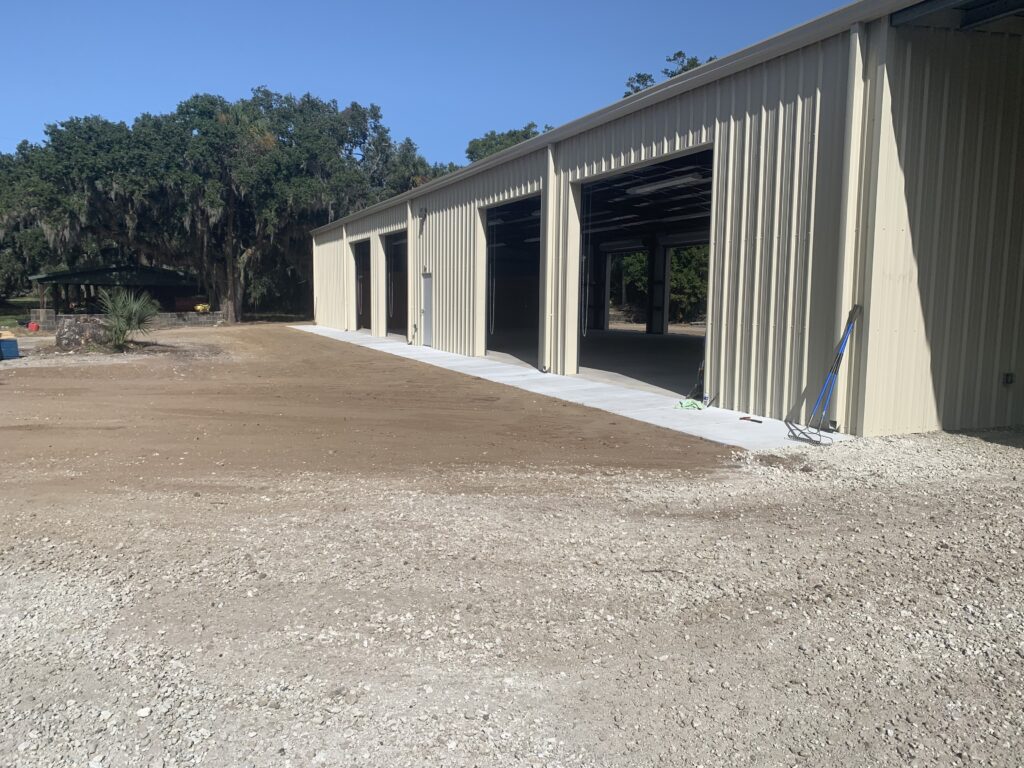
point(127, 312)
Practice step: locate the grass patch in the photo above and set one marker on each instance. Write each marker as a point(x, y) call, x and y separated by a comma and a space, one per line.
point(13, 310)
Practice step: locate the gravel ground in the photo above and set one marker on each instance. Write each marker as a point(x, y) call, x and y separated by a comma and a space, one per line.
point(859, 605)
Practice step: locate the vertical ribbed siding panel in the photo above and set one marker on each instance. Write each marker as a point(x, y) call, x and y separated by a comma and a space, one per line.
point(816, 166)
point(713, 347)
point(323, 288)
point(1007, 409)
point(948, 259)
point(775, 130)
point(329, 280)
point(777, 135)
point(824, 228)
point(911, 313)
point(743, 192)
point(991, 284)
point(449, 245)
point(378, 286)
point(734, 189)
point(720, 312)
point(412, 316)
point(380, 223)
point(775, 395)
point(761, 317)
point(371, 228)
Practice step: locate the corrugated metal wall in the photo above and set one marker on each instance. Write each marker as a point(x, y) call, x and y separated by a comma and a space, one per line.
point(329, 279)
point(777, 230)
point(946, 281)
point(777, 134)
point(928, 239)
point(446, 241)
point(450, 244)
point(373, 228)
point(334, 269)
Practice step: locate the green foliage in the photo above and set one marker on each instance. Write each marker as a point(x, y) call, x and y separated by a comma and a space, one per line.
point(492, 141)
point(226, 189)
point(689, 286)
point(641, 81)
point(126, 312)
point(634, 271)
point(688, 299)
point(678, 63)
point(12, 273)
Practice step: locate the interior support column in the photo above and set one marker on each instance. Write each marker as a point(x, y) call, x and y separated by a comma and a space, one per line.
point(595, 289)
point(606, 290)
point(659, 279)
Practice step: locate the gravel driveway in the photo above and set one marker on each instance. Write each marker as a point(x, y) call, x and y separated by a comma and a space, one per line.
point(859, 605)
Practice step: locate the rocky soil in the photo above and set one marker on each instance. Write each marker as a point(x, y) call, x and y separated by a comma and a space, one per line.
point(858, 605)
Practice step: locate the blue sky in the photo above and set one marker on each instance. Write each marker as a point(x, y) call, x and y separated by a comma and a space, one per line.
point(442, 71)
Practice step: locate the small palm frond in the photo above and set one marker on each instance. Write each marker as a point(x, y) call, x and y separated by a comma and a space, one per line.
point(127, 312)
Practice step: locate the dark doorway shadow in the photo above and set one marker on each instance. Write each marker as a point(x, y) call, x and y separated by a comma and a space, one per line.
point(668, 361)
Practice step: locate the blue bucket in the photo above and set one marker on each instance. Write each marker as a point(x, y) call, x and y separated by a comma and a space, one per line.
point(9, 349)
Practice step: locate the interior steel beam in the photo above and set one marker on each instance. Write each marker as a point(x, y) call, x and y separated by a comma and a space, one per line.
point(916, 13)
point(998, 9)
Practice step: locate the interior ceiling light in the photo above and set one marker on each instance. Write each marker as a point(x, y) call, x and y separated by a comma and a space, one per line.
point(622, 246)
point(612, 228)
point(685, 180)
point(687, 217)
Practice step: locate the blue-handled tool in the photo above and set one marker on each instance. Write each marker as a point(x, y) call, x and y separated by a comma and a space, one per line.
point(825, 396)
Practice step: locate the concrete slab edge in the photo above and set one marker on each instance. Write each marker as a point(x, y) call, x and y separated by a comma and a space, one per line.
point(718, 425)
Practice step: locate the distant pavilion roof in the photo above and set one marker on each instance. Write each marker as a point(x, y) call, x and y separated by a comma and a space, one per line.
point(128, 275)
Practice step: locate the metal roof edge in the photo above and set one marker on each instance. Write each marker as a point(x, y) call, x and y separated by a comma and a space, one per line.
point(808, 33)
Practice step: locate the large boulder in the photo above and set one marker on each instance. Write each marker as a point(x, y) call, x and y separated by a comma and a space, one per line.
point(79, 332)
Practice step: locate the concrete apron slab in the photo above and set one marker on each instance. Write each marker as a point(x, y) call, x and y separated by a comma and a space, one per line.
point(718, 425)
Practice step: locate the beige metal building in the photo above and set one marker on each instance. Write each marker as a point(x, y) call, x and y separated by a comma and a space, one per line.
point(874, 156)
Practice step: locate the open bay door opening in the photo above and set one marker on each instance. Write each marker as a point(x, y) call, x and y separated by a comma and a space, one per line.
point(397, 284)
point(513, 280)
point(645, 237)
point(363, 292)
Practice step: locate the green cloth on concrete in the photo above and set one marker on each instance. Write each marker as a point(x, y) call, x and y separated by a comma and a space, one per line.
point(689, 404)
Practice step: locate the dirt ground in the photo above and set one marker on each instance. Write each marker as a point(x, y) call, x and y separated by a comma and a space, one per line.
point(257, 547)
point(268, 399)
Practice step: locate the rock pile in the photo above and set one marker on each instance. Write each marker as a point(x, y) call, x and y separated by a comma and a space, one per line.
point(79, 332)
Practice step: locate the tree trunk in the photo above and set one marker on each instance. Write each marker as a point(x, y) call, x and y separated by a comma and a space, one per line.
point(240, 292)
point(231, 291)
